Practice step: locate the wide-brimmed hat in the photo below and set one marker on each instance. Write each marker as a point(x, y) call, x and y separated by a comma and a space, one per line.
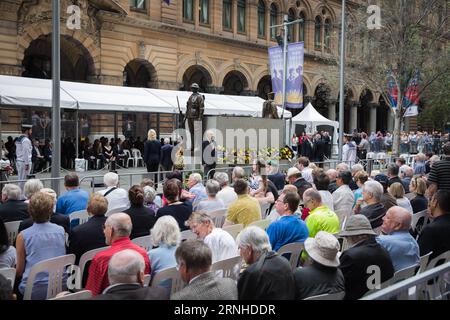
point(382, 178)
point(292, 171)
point(356, 225)
point(323, 249)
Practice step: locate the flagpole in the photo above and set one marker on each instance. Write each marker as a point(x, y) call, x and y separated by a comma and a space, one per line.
point(341, 84)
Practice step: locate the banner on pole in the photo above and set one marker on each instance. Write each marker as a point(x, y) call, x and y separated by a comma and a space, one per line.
point(392, 91)
point(294, 74)
point(411, 111)
point(276, 69)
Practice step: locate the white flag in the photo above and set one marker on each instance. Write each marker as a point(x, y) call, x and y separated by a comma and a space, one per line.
point(411, 111)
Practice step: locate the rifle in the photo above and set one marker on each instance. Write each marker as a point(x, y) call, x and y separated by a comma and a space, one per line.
point(181, 117)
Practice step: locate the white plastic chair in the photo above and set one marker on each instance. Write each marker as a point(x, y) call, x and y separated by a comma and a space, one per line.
point(12, 229)
point(295, 249)
point(84, 259)
point(263, 224)
point(370, 155)
point(169, 274)
point(435, 289)
point(230, 268)
point(147, 278)
point(328, 296)
point(80, 295)
point(9, 274)
point(144, 242)
point(415, 219)
point(129, 158)
point(81, 215)
point(264, 209)
point(188, 235)
point(56, 268)
point(424, 262)
point(137, 157)
point(234, 229)
point(218, 217)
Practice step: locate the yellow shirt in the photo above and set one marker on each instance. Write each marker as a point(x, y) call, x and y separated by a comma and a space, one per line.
point(244, 210)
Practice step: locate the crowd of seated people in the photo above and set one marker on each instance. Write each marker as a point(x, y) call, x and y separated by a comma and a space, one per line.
point(312, 214)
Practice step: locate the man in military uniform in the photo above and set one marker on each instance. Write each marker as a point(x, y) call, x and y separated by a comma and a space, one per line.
point(24, 150)
point(269, 108)
point(195, 108)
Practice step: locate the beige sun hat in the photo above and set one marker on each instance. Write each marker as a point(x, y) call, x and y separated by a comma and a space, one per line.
point(323, 249)
point(356, 225)
point(292, 171)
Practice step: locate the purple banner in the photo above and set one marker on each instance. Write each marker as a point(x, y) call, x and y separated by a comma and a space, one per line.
point(294, 76)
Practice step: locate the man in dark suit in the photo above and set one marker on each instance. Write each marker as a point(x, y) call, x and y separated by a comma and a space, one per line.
point(194, 259)
point(365, 258)
point(209, 159)
point(89, 235)
point(268, 275)
point(166, 156)
point(436, 235)
point(37, 156)
point(13, 208)
point(392, 173)
point(126, 279)
point(319, 149)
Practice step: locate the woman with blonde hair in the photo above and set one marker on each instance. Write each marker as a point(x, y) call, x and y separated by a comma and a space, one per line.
point(398, 192)
point(152, 154)
point(418, 186)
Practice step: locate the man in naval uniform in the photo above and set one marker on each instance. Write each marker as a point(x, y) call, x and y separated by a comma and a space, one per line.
point(195, 108)
point(24, 150)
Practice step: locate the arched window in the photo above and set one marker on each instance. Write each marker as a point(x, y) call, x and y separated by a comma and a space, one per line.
point(301, 26)
point(227, 14)
point(273, 20)
point(188, 10)
point(291, 17)
point(241, 15)
point(204, 11)
point(261, 19)
point(318, 33)
point(327, 35)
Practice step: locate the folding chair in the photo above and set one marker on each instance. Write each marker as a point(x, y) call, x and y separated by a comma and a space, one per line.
point(56, 268)
point(85, 258)
point(328, 296)
point(234, 229)
point(169, 274)
point(218, 217)
point(229, 267)
point(82, 216)
point(144, 242)
point(80, 295)
point(417, 227)
point(263, 224)
point(295, 251)
point(12, 229)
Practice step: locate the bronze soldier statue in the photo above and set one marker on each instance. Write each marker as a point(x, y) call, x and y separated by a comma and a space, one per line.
point(269, 108)
point(195, 108)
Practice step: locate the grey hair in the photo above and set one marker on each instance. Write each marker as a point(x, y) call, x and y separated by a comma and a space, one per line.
point(124, 267)
point(149, 194)
point(222, 178)
point(167, 231)
point(212, 187)
point(196, 176)
point(407, 170)
point(50, 192)
point(166, 140)
point(375, 188)
point(12, 191)
point(357, 167)
point(255, 238)
point(31, 187)
point(342, 167)
point(121, 224)
point(238, 172)
point(312, 194)
point(111, 179)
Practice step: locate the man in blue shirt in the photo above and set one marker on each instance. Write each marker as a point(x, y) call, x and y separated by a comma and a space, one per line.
point(74, 199)
point(196, 187)
point(402, 247)
point(288, 228)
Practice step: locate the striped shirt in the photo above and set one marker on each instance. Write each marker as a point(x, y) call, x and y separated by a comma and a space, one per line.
point(440, 174)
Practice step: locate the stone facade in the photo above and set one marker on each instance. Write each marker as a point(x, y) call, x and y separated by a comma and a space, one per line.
point(156, 46)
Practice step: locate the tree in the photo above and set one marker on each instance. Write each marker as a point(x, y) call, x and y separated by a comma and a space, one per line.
point(412, 39)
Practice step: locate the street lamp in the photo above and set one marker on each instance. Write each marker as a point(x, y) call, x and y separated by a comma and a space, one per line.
point(341, 84)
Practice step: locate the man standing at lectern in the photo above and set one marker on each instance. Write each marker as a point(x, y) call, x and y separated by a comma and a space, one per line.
point(195, 108)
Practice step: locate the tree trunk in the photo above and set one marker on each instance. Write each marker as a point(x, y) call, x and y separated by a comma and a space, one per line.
point(397, 130)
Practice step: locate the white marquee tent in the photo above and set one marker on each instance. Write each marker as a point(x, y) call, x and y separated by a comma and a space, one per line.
point(311, 119)
point(29, 92)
